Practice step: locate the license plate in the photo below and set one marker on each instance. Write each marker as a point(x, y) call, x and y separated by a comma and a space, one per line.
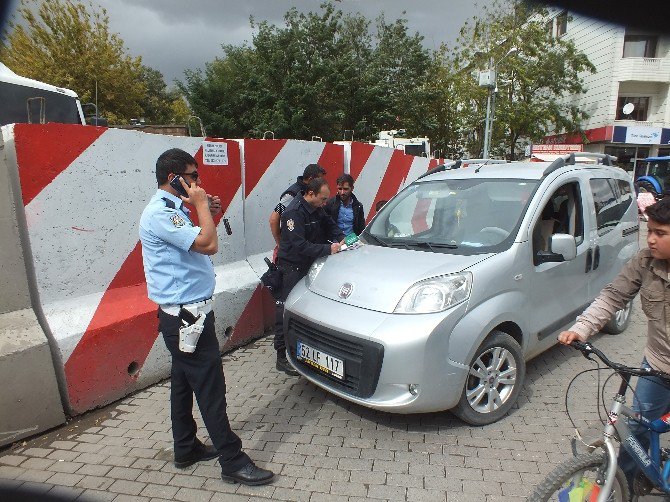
point(320, 360)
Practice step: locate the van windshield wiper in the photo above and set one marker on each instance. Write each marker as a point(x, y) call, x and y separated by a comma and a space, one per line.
point(377, 239)
point(433, 245)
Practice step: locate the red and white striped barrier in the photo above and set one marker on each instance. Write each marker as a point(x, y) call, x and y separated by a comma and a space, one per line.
point(83, 191)
point(380, 172)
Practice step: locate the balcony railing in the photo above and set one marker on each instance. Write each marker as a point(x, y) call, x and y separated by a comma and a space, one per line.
point(643, 69)
point(639, 123)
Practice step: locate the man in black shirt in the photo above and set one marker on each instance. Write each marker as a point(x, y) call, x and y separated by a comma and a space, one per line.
point(307, 232)
point(298, 188)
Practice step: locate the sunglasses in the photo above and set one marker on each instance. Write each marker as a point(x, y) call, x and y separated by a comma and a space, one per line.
point(194, 175)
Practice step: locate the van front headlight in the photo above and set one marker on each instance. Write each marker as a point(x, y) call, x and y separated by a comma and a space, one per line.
point(435, 294)
point(314, 271)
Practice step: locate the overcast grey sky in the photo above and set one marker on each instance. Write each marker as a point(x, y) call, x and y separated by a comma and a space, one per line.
point(174, 35)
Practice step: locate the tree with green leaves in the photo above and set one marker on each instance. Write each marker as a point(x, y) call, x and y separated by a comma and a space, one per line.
point(318, 75)
point(161, 105)
point(68, 44)
point(533, 82)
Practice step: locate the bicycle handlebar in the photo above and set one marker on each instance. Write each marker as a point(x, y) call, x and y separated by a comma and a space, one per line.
point(587, 349)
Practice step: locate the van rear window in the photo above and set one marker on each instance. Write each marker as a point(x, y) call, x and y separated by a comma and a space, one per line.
point(22, 104)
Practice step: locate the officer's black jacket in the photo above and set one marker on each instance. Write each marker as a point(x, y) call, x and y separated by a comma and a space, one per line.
point(333, 209)
point(298, 187)
point(305, 232)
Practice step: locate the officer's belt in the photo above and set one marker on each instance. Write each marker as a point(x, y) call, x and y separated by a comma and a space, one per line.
point(288, 267)
point(204, 307)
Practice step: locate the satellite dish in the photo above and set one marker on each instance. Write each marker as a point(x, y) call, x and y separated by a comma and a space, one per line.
point(628, 108)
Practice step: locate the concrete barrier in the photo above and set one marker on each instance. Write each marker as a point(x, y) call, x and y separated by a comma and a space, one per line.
point(82, 211)
point(30, 401)
point(81, 190)
point(380, 172)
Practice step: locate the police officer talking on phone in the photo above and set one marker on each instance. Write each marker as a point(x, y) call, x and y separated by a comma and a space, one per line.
point(307, 232)
point(180, 279)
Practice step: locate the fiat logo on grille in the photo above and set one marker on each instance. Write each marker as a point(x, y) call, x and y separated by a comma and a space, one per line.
point(345, 290)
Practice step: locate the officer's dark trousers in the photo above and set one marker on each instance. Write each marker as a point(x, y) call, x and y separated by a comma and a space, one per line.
point(200, 373)
point(291, 277)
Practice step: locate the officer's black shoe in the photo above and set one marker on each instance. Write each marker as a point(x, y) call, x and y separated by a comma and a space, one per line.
point(197, 454)
point(250, 474)
point(284, 365)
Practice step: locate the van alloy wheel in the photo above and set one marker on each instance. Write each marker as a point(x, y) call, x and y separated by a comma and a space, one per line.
point(494, 380)
point(620, 321)
point(491, 381)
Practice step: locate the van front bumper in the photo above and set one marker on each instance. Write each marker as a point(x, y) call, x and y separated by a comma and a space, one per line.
point(392, 362)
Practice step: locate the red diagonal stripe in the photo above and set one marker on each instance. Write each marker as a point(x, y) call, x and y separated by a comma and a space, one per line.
point(258, 155)
point(121, 332)
point(223, 181)
point(332, 160)
point(360, 153)
point(250, 322)
point(45, 151)
point(396, 172)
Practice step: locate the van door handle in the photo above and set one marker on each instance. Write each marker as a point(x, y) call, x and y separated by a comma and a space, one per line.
point(589, 259)
point(596, 258)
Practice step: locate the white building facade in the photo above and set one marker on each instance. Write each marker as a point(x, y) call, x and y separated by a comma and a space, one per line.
point(628, 97)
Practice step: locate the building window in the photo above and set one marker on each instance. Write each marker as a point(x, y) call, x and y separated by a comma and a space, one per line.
point(562, 23)
point(627, 156)
point(549, 27)
point(639, 112)
point(640, 46)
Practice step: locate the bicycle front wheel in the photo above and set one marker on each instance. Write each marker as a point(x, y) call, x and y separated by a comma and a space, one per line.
point(576, 480)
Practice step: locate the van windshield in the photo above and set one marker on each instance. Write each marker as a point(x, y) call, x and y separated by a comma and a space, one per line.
point(461, 216)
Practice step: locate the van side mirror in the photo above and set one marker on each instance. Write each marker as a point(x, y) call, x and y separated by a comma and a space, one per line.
point(564, 245)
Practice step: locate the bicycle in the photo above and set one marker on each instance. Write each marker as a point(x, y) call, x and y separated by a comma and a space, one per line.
point(595, 476)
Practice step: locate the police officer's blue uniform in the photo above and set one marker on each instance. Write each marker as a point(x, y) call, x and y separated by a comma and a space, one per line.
point(177, 276)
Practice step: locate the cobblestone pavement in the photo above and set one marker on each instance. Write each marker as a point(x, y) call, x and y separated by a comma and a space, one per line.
point(321, 447)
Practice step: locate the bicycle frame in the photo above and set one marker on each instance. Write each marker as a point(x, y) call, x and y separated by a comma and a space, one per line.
point(650, 464)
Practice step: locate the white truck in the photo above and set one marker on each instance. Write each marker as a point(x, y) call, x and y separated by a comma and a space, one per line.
point(23, 100)
point(396, 138)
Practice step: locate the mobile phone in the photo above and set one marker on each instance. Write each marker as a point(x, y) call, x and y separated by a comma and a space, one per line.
point(226, 224)
point(176, 184)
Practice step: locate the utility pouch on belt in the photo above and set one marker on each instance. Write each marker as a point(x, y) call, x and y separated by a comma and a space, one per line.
point(272, 278)
point(192, 327)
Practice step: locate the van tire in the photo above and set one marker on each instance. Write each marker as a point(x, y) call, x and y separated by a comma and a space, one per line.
point(620, 321)
point(513, 363)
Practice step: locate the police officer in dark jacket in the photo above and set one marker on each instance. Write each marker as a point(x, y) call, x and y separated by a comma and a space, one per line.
point(345, 209)
point(298, 188)
point(306, 230)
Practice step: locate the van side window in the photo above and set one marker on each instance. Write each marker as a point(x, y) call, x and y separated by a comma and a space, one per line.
point(611, 199)
point(562, 214)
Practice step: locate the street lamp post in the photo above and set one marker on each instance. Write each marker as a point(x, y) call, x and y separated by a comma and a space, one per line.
point(488, 79)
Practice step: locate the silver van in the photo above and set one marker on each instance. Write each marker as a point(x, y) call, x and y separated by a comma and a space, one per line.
point(462, 277)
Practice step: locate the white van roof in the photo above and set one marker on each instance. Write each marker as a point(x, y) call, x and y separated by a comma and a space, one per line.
point(7, 75)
